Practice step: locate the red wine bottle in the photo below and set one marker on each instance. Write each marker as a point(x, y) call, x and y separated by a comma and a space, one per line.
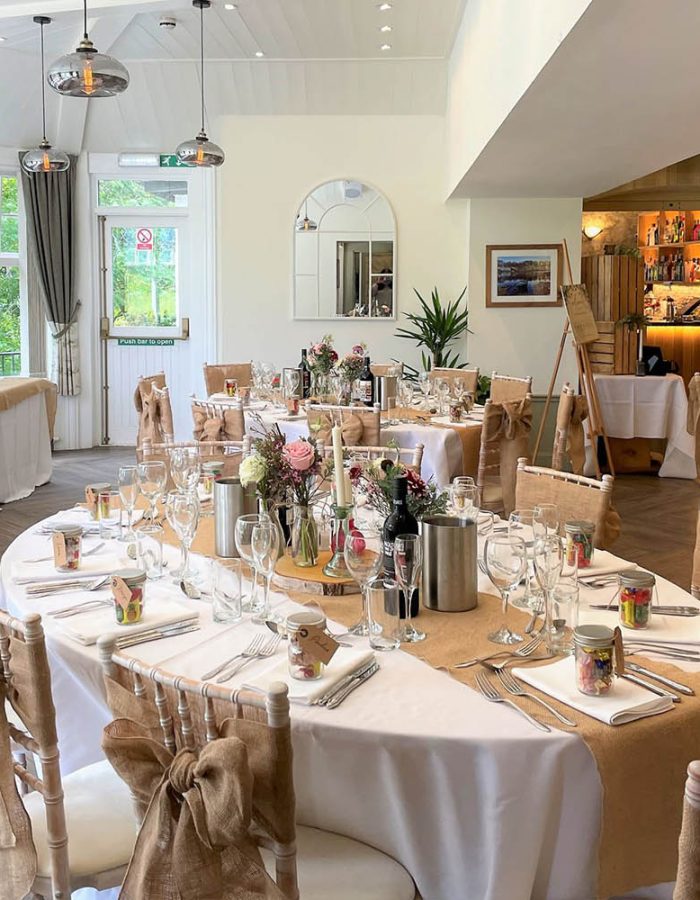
point(365, 385)
point(399, 521)
point(305, 372)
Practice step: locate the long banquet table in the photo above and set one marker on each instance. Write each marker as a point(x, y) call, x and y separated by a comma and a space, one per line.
point(27, 412)
point(467, 795)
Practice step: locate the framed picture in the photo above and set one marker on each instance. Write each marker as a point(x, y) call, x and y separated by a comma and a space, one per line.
point(523, 275)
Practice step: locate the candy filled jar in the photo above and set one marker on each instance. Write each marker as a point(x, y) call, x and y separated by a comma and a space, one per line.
point(72, 539)
point(636, 592)
point(594, 652)
point(302, 664)
point(579, 543)
point(129, 605)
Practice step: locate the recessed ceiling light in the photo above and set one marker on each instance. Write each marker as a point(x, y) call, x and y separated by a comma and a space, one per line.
point(385, 28)
point(259, 53)
point(385, 47)
point(2, 38)
point(230, 6)
point(383, 7)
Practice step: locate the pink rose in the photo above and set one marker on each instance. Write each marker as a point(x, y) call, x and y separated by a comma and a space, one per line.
point(300, 455)
point(358, 350)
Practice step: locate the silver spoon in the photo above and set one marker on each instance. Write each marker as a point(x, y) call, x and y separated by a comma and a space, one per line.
point(193, 592)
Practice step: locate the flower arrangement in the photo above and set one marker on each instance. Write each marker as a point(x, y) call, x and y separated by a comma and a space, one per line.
point(351, 365)
point(375, 482)
point(304, 464)
point(321, 357)
point(267, 468)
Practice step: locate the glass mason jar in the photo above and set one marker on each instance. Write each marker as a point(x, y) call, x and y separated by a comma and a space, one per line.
point(303, 665)
point(129, 610)
point(594, 651)
point(636, 592)
point(579, 543)
point(92, 492)
point(72, 538)
point(320, 387)
point(304, 537)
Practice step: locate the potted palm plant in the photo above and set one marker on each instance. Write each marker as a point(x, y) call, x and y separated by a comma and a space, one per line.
point(436, 327)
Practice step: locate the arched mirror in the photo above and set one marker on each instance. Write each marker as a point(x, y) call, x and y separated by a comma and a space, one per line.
point(345, 254)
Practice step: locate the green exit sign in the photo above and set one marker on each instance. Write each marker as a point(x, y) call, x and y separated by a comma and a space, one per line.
point(145, 342)
point(170, 161)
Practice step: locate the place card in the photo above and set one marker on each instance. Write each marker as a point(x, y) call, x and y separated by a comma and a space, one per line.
point(121, 591)
point(317, 643)
point(58, 541)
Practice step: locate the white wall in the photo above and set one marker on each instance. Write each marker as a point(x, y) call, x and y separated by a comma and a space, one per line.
point(499, 50)
point(519, 341)
point(271, 164)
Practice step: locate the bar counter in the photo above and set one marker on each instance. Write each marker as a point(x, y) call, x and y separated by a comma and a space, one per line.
point(679, 341)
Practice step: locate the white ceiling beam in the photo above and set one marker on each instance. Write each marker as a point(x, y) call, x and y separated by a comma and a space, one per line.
point(52, 7)
point(73, 111)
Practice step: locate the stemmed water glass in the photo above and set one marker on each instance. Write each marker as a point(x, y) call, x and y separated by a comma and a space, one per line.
point(292, 380)
point(463, 497)
point(404, 392)
point(243, 536)
point(460, 386)
point(424, 385)
point(505, 557)
point(545, 519)
point(128, 491)
point(521, 524)
point(363, 557)
point(264, 543)
point(549, 560)
point(152, 479)
point(442, 389)
point(185, 468)
point(182, 511)
point(408, 564)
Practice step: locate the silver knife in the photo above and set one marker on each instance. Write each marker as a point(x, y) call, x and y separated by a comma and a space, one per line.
point(669, 682)
point(338, 698)
point(687, 611)
point(324, 698)
point(660, 692)
point(156, 634)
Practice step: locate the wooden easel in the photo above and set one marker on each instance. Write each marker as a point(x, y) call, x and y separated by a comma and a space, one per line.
point(596, 428)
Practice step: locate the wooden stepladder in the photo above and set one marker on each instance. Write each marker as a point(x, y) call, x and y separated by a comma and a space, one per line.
point(581, 325)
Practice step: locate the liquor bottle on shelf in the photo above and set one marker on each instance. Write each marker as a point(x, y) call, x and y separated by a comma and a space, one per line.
point(650, 236)
point(305, 372)
point(399, 521)
point(365, 385)
point(656, 233)
point(696, 230)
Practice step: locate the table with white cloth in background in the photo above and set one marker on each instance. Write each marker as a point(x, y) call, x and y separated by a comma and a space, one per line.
point(471, 799)
point(650, 407)
point(26, 423)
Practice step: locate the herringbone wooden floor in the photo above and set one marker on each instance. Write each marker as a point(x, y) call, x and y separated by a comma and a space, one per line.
point(658, 514)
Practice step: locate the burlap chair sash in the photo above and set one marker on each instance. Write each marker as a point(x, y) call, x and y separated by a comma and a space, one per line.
point(195, 841)
point(695, 580)
point(351, 428)
point(17, 853)
point(575, 445)
point(506, 436)
point(693, 425)
point(150, 426)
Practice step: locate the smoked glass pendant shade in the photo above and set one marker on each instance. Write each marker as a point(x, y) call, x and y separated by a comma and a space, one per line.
point(45, 158)
point(200, 152)
point(87, 73)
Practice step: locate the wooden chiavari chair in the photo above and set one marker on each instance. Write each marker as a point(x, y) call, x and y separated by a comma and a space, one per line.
point(505, 388)
point(230, 453)
point(215, 375)
point(693, 426)
point(499, 454)
point(184, 714)
point(410, 457)
point(83, 825)
point(470, 377)
point(695, 579)
point(380, 370)
point(361, 425)
point(575, 496)
point(688, 876)
point(216, 421)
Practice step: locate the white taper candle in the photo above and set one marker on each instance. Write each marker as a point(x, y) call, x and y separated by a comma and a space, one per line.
point(337, 434)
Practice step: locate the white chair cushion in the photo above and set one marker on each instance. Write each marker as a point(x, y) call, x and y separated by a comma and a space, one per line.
point(100, 821)
point(337, 867)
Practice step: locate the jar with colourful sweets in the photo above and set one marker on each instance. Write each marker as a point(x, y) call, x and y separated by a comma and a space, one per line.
point(636, 592)
point(92, 493)
point(211, 472)
point(302, 664)
point(67, 543)
point(230, 387)
point(579, 543)
point(129, 592)
point(594, 652)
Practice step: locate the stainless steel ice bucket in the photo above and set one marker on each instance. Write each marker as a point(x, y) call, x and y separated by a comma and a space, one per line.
point(231, 500)
point(386, 385)
point(449, 564)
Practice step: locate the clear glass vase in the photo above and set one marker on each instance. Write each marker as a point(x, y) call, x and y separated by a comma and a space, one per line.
point(270, 509)
point(304, 537)
point(321, 387)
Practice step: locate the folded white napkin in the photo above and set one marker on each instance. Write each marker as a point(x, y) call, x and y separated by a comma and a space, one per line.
point(88, 626)
point(626, 702)
point(343, 663)
point(90, 567)
point(604, 563)
point(79, 515)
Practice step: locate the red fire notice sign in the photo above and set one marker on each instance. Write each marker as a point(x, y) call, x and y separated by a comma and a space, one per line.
point(144, 239)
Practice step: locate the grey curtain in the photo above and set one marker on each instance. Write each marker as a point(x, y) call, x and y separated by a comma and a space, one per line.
point(49, 201)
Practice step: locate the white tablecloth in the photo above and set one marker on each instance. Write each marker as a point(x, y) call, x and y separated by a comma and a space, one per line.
point(650, 407)
point(25, 448)
point(472, 800)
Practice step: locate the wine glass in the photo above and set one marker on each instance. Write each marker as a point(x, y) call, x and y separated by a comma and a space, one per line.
point(243, 536)
point(182, 511)
point(505, 559)
point(460, 386)
point(424, 385)
point(292, 380)
point(545, 519)
point(363, 557)
point(549, 560)
point(128, 491)
point(521, 524)
point(408, 564)
point(152, 478)
point(463, 497)
point(184, 468)
point(264, 543)
point(442, 389)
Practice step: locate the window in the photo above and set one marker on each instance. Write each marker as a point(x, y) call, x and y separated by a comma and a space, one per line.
point(10, 293)
point(130, 194)
point(144, 276)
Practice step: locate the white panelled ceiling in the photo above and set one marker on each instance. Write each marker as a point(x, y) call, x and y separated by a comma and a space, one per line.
point(319, 57)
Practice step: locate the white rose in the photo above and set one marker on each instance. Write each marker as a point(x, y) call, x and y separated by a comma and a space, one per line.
point(253, 469)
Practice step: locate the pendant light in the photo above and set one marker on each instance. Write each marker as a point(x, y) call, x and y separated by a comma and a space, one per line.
point(44, 158)
point(306, 224)
point(87, 73)
point(201, 151)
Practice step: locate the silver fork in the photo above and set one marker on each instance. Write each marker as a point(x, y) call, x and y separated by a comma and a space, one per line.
point(87, 606)
point(526, 650)
point(45, 589)
point(513, 686)
point(83, 554)
point(251, 649)
point(490, 693)
point(266, 650)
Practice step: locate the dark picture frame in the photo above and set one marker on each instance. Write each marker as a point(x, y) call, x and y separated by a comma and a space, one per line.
point(523, 275)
